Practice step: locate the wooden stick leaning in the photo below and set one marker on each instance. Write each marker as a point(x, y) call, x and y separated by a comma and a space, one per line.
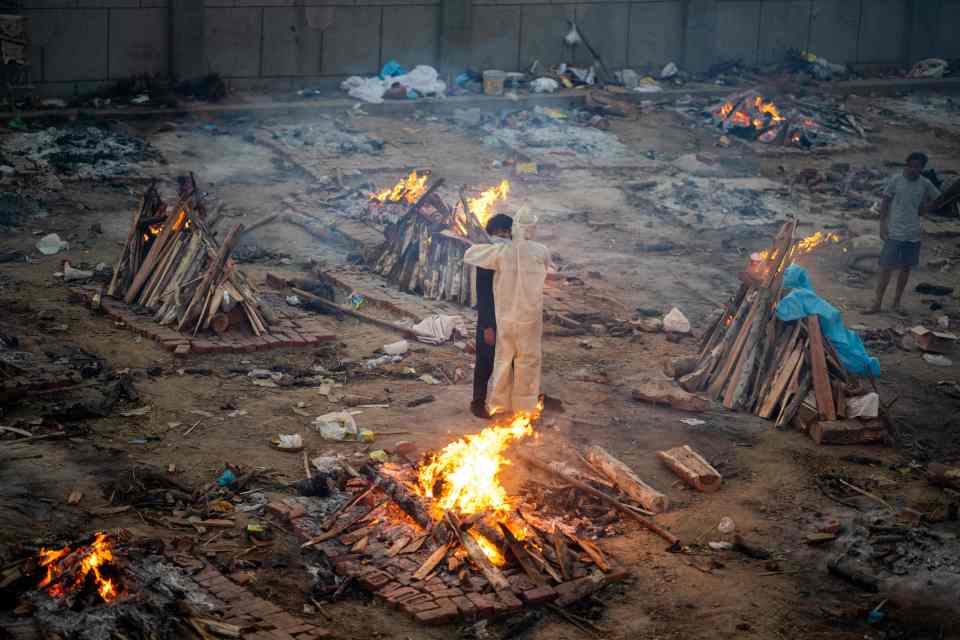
point(647, 524)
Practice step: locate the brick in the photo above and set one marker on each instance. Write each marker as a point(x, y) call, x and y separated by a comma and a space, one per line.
point(449, 592)
point(422, 602)
point(398, 594)
point(375, 580)
point(445, 612)
point(181, 349)
point(203, 346)
point(279, 508)
point(282, 620)
point(300, 628)
point(297, 510)
point(507, 603)
point(483, 604)
point(464, 606)
point(539, 595)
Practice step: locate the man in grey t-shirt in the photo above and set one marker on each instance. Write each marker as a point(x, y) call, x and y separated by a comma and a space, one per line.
point(905, 199)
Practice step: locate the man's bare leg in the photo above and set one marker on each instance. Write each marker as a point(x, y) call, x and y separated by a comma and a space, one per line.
point(902, 279)
point(882, 283)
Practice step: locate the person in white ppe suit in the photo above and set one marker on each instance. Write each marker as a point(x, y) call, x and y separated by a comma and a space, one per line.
point(520, 269)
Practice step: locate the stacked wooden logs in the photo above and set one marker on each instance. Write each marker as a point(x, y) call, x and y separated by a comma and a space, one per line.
point(423, 251)
point(752, 361)
point(173, 266)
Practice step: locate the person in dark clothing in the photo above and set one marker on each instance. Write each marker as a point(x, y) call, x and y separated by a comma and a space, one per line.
point(498, 228)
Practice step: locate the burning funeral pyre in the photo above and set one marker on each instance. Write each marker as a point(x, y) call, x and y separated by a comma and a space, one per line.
point(173, 266)
point(752, 116)
point(108, 586)
point(424, 247)
point(751, 361)
point(444, 538)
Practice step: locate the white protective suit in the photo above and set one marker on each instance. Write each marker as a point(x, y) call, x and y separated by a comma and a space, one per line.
point(520, 269)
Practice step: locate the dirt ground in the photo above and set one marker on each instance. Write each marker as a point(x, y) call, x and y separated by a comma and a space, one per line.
point(594, 226)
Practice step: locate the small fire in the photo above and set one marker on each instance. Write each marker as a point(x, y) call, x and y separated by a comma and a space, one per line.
point(482, 207)
point(489, 549)
point(808, 244)
point(760, 259)
point(155, 230)
point(464, 476)
point(86, 561)
point(725, 109)
point(408, 190)
point(767, 108)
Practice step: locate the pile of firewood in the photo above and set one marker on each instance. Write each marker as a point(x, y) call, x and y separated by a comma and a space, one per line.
point(752, 361)
point(423, 251)
point(173, 265)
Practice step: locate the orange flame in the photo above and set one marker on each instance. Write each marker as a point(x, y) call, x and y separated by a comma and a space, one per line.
point(467, 470)
point(489, 549)
point(409, 189)
point(808, 244)
point(91, 559)
point(482, 207)
point(725, 109)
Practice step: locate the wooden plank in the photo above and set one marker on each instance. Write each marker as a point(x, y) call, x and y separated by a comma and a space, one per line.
point(593, 551)
point(848, 431)
point(818, 365)
point(730, 357)
point(780, 382)
point(431, 562)
point(398, 546)
point(472, 547)
point(693, 468)
point(523, 559)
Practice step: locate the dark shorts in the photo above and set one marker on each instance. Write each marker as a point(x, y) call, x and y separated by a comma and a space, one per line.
point(899, 253)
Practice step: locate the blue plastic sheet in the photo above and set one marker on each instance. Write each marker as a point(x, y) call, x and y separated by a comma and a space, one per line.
point(391, 69)
point(803, 301)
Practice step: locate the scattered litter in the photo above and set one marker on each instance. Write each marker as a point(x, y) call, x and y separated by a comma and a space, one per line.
point(676, 322)
point(141, 99)
point(937, 360)
point(291, 443)
point(51, 244)
point(930, 68)
point(140, 411)
point(429, 379)
point(293, 301)
point(226, 478)
point(397, 348)
point(75, 497)
point(867, 406)
point(720, 546)
point(726, 525)
point(70, 274)
point(374, 363)
point(439, 328)
point(669, 71)
point(421, 400)
point(693, 422)
point(338, 425)
point(544, 85)
point(379, 455)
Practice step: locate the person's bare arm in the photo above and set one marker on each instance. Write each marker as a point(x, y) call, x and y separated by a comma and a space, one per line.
point(885, 216)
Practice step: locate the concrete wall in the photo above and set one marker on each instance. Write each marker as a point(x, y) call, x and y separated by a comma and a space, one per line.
point(78, 45)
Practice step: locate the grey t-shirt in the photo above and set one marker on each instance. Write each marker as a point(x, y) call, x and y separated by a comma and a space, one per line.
point(908, 196)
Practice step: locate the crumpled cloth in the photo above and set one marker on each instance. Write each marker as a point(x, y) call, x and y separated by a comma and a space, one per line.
point(802, 301)
point(439, 328)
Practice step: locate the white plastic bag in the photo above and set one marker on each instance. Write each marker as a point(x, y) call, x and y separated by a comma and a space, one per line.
point(51, 244)
point(544, 85)
point(424, 79)
point(397, 348)
point(669, 71)
point(676, 322)
point(338, 425)
point(367, 89)
point(867, 406)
